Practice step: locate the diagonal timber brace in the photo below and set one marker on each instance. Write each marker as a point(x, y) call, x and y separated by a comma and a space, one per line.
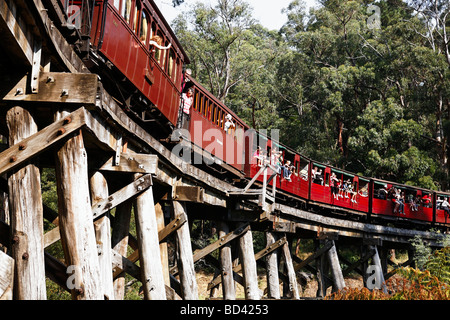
point(173, 226)
point(39, 142)
point(133, 189)
point(201, 253)
point(101, 207)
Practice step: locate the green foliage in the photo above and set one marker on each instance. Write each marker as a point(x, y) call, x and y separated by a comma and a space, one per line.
point(370, 101)
point(439, 264)
point(421, 252)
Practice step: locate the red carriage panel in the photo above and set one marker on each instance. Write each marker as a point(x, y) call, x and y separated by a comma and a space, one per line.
point(206, 128)
point(152, 71)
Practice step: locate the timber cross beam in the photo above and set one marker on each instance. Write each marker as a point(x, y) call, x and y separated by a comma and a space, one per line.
point(56, 87)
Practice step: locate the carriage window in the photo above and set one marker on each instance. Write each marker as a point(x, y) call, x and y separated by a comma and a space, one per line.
point(200, 103)
point(380, 191)
point(135, 18)
point(153, 32)
point(163, 55)
point(170, 64)
point(221, 119)
point(175, 71)
point(303, 169)
point(363, 188)
point(194, 104)
point(126, 10)
point(143, 30)
point(219, 113)
point(117, 4)
point(206, 109)
point(317, 174)
point(158, 53)
point(213, 113)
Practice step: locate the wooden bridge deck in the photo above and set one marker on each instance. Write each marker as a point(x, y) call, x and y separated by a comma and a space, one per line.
point(66, 120)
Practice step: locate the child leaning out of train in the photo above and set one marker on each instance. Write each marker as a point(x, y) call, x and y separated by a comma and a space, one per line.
point(229, 124)
point(188, 99)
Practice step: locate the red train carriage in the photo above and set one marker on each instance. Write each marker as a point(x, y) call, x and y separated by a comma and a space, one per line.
point(297, 184)
point(207, 129)
point(339, 188)
point(324, 185)
point(418, 203)
point(133, 37)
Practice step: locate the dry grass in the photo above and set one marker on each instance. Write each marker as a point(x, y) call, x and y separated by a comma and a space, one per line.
point(308, 291)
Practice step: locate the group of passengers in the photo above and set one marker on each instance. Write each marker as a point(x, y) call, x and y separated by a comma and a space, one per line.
point(342, 188)
point(398, 198)
point(275, 160)
point(443, 205)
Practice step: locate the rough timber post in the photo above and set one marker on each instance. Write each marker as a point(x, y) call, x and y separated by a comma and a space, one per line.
point(186, 269)
point(148, 243)
point(322, 266)
point(99, 191)
point(378, 277)
point(121, 229)
point(75, 219)
point(336, 271)
point(25, 202)
point(293, 284)
point(226, 262)
point(273, 281)
point(247, 257)
point(163, 248)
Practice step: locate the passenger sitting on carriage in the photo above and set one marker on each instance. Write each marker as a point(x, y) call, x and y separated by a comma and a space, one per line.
point(445, 206)
point(287, 170)
point(348, 188)
point(341, 188)
point(426, 200)
point(333, 184)
point(412, 203)
point(354, 194)
point(258, 156)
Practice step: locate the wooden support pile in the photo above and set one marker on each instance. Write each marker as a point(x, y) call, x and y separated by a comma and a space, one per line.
point(83, 219)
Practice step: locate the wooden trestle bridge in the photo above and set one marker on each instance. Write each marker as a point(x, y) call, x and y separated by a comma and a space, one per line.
point(55, 114)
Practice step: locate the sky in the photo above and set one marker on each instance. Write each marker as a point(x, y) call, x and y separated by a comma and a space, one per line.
point(267, 12)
